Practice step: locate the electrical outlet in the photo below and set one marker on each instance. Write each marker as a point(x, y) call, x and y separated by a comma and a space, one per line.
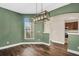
point(78, 47)
point(7, 42)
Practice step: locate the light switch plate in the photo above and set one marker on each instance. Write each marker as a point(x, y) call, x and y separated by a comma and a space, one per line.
point(7, 42)
point(78, 47)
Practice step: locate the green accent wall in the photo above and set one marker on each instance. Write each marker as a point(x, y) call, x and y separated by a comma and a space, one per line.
point(10, 27)
point(70, 8)
point(39, 32)
point(73, 42)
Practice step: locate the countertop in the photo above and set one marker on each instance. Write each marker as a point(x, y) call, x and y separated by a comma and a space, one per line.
point(73, 33)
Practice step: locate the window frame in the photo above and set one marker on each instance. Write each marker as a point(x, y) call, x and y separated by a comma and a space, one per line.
point(25, 30)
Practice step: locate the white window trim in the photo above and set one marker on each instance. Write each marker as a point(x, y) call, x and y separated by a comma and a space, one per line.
point(25, 33)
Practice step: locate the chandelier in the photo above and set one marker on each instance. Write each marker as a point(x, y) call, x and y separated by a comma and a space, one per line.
point(42, 16)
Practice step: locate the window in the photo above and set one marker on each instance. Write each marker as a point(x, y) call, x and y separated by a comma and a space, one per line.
point(28, 29)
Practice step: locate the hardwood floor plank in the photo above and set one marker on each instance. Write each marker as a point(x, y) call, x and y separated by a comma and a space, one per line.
point(37, 50)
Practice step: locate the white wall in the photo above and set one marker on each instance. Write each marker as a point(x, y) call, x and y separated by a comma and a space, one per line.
point(56, 26)
point(57, 30)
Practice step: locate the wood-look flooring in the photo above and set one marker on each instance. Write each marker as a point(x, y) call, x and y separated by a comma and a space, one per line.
point(37, 50)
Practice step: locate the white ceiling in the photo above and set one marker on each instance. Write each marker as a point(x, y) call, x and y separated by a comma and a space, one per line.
point(30, 8)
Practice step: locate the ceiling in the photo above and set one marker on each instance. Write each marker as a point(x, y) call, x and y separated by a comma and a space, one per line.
point(30, 8)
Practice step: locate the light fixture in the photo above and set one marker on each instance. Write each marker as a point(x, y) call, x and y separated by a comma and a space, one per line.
point(42, 16)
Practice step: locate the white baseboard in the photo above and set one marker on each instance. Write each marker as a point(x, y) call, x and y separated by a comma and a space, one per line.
point(72, 51)
point(5, 47)
point(8, 46)
point(57, 42)
point(35, 43)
